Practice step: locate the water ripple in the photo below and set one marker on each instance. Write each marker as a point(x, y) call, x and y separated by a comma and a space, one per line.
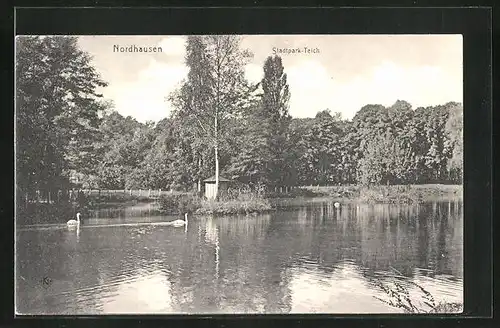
point(271, 264)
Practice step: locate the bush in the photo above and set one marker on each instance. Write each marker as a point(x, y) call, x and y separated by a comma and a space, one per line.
point(243, 203)
point(231, 203)
point(234, 192)
point(179, 203)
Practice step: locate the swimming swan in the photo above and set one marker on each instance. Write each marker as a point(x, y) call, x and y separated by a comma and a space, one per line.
point(74, 223)
point(180, 223)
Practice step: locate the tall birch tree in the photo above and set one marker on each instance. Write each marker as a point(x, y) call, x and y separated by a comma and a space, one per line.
point(215, 89)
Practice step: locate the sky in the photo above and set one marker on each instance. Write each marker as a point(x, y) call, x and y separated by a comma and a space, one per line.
point(345, 73)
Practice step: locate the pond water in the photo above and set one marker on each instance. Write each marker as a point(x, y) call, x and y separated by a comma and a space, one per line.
point(312, 258)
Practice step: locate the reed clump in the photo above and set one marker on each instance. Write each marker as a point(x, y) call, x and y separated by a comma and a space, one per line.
point(236, 203)
point(245, 203)
point(179, 203)
point(418, 300)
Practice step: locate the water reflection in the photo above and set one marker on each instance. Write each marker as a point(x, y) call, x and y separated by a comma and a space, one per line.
point(346, 291)
point(137, 210)
point(314, 258)
point(150, 292)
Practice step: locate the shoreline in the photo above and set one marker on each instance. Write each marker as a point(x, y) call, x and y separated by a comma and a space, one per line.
point(253, 205)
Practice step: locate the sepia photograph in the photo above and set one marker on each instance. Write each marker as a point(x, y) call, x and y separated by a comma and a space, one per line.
point(239, 174)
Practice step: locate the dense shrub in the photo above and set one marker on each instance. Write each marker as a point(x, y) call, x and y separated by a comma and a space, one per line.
point(233, 202)
point(179, 203)
point(243, 203)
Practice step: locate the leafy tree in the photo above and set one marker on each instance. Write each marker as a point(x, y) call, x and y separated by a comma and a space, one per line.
point(159, 162)
point(274, 110)
point(369, 122)
point(123, 146)
point(375, 165)
point(326, 114)
point(320, 158)
point(251, 163)
point(435, 159)
point(454, 141)
point(264, 148)
point(56, 110)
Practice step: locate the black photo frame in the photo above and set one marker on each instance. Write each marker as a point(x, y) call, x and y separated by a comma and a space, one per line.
point(475, 24)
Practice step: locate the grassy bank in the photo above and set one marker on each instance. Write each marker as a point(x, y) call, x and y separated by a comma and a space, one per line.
point(397, 194)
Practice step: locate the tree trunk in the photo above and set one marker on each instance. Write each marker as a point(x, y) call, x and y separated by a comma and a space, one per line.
point(216, 159)
point(216, 172)
point(199, 178)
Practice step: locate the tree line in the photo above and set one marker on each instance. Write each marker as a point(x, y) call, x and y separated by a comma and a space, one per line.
point(221, 125)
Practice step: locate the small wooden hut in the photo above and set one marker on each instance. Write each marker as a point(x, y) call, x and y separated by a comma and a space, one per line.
point(209, 185)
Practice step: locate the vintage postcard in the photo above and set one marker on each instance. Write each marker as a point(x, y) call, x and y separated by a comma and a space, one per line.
point(223, 174)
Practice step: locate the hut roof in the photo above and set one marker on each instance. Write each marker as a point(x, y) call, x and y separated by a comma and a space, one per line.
point(212, 179)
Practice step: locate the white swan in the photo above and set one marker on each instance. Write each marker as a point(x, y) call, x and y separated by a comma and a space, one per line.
point(336, 204)
point(180, 223)
point(74, 223)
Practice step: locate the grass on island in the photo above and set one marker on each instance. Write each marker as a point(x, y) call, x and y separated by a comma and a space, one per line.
point(243, 203)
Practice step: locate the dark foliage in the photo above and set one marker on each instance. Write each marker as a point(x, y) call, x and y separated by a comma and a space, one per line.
point(65, 133)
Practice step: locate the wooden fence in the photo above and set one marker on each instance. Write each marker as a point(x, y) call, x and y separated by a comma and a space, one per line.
point(149, 193)
point(284, 189)
point(72, 195)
